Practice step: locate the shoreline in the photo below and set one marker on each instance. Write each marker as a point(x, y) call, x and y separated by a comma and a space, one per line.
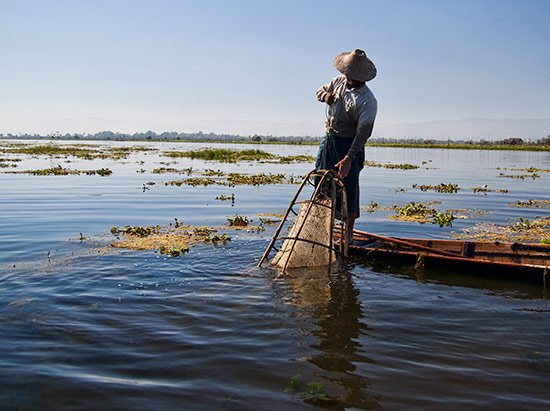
point(374, 143)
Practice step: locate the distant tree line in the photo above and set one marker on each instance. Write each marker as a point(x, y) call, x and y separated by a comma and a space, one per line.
point(200, 136)
point(513, 141)
point(165, 136)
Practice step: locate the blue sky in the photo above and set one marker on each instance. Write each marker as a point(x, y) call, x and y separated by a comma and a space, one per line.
point(250, 67)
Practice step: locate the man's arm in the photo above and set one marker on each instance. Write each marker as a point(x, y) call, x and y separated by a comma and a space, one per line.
point(365, 125)
point(325, 93)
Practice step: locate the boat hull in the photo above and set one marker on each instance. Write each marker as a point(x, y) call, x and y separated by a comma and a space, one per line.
point(518, 261)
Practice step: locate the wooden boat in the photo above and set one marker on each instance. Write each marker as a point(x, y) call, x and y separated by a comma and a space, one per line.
point(519, 261)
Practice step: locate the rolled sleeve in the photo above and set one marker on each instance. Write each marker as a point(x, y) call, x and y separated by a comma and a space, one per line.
point(323, 91)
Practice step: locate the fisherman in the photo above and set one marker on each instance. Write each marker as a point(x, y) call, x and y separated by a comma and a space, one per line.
point(350, 119)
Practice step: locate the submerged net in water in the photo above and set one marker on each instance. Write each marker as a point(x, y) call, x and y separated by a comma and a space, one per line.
point(309, 242)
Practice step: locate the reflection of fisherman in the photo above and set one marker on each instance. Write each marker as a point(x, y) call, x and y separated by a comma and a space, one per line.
point(329, 308)
point(350, 120)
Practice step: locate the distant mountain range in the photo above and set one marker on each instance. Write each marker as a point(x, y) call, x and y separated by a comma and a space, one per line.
point(471, 128)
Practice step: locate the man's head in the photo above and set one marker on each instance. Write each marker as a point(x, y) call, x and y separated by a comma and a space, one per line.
point(355, 65)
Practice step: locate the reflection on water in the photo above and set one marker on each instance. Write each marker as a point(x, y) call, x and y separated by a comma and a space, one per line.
point(334, 316)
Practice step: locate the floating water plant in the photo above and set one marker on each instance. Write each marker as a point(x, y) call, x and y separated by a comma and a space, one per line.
point(254, 179)
point(215, 238)
point(531, 204)
point(162, 170)
point(414, 209)
point(524, 231)
point(8, 162)
point(485, 189)
point(227, 198)
point(391, 166)
point(296, 159)
point(423, 213)
point(193, 181)
point(311, 390)
point(439, 188)
point(174, 252)
point(371, 208)
point(60, 171)
point(222, 154)
point(444, 219)
point(226, 155)
point(212, 173)
point(238, 221)
point(534, 176)
point(532, 170)
point(79, 151)
point(174, 240)
point(138, 231)
point(103, 172)
point(268, 221)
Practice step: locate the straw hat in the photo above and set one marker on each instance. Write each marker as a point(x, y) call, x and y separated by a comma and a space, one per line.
point(355, 65)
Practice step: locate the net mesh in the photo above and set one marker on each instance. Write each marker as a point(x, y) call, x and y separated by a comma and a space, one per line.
point(313, 225)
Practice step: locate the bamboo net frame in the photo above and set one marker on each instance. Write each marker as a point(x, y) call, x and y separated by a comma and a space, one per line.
point(327, 187)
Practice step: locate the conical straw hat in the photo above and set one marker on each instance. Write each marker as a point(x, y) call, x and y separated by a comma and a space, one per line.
point(355, 65)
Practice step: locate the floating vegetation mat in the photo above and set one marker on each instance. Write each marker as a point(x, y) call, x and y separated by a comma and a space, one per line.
point(524, 231)
point(439, 188)
point(211, 177)
point(420, 213)
point(531, 204)
point(177, 238)
point(226, 155)
point(174, 240)
point(485, 189)
point(164, 170)
point(8, 162)
point(527, 170)
point(391, 166)
point(534, 176)
point(81, 151)
point(423, 213)
point(60, 171)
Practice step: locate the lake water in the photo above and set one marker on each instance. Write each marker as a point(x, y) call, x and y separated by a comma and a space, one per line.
point(85, 327)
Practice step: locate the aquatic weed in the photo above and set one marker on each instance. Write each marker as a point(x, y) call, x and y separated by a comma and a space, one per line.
point(138, 231)
point(534, 176)
point(444, 219)
point(238, 221)
point(234, 179)
point(391, 166)
point(531, 203)
point(174, 252)
point(439, 188)
point(224, 155)
point(415, 209)
point(193, 181)
point(485, 189)
point(311, 390)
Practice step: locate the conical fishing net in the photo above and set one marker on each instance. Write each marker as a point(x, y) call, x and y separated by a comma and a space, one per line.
point(309, 241)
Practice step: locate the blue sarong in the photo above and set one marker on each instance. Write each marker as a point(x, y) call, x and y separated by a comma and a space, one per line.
point(333, 149)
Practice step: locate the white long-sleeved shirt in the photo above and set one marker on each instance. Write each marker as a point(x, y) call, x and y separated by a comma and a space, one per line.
point(353, 113)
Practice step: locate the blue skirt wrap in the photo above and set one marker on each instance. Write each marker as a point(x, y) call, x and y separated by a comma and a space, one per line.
point(333, 149)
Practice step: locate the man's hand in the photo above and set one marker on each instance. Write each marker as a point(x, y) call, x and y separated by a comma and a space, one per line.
point(329, 98)
point(343, 167)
